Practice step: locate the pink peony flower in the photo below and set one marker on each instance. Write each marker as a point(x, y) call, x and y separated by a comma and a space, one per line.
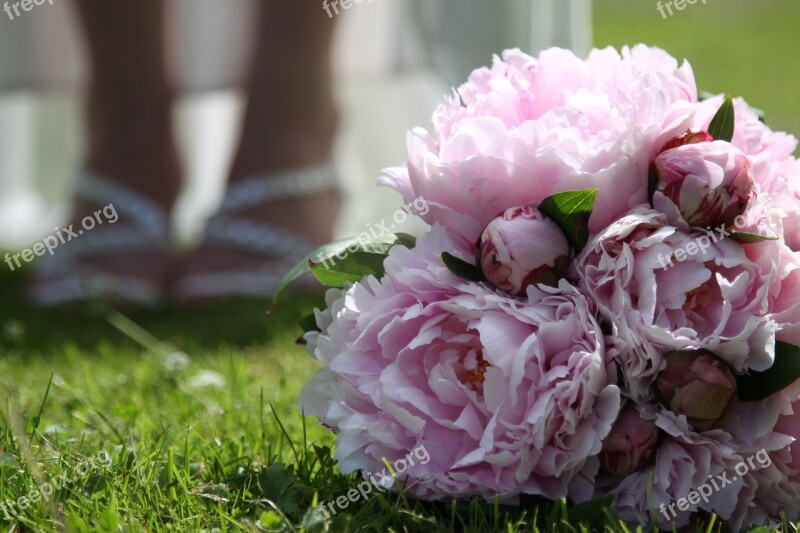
point(775, 169)
point(522, 247)
point(743, 468)
point(789, 424)
point(710, 183)
point(784, 193)
point(513, 393)
point(699, 386)
point(783, 301)
point(785, 297)
point(664, 289)
point(508, 397)
point(527, 127)
point(683, 463)
point(631, 445)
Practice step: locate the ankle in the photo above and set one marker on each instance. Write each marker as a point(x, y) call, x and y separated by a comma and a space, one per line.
point(150, 167)
point(273, 144)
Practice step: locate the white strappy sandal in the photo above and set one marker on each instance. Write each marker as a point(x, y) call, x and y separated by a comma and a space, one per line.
point(281, 248)
point(141, 228)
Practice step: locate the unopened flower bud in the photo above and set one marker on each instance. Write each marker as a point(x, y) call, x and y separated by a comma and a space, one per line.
point(700, 386)
point(710, 183)
point(522, 247)
point(631, 445)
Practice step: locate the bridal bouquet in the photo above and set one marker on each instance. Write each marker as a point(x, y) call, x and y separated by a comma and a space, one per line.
point(607, 302)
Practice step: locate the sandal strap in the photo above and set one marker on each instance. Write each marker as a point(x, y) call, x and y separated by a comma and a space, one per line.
point(256, 237)
point(102, 242)
point(280, 186)
point(141, 227)
point(281, 248)
point(83, 286)
point(138, 211)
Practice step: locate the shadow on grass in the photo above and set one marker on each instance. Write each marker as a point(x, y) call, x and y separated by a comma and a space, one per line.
point(238, 323)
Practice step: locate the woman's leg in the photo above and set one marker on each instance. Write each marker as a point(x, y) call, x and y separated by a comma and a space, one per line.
point(129, 116)
point(291, 116)
point(290, 123)
point(130, 143)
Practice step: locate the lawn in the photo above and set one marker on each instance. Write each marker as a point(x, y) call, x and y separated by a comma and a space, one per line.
point(186, 419)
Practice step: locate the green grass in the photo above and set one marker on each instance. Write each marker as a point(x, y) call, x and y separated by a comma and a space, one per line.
point(197, 407)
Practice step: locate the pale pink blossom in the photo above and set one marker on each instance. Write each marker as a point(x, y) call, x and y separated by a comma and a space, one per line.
point(663, 289)
point(510, 397)
point(710, 183)
point(526, 127)
point(522, 247)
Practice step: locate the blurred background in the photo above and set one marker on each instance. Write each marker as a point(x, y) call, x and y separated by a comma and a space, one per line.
point(404, 52)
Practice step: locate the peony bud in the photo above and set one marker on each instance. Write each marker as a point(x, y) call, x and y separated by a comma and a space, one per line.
point(710, 183)
point(631, 445)
point(522, 247)
point(699, 385)
point(690, 137)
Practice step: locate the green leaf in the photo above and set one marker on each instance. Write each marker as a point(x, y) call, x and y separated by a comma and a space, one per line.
point(571, 211)
point(783, 372)
point(335, 272)
point(461, 268)
point(743, 237)
point(590, 512)
point(298, 271)
point(331, 254)
point(721, 127)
